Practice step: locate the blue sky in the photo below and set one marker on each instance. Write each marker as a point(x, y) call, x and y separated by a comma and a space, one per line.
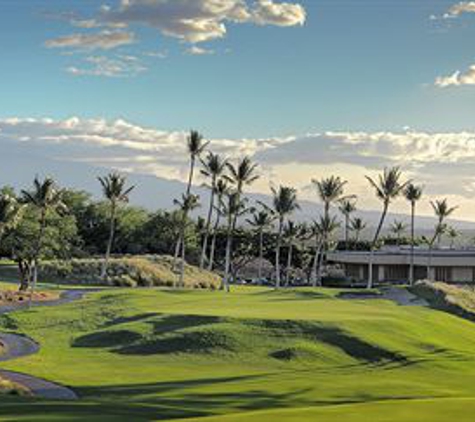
point(286, 71)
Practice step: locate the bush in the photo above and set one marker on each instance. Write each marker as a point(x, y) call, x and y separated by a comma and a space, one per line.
point(144, 271)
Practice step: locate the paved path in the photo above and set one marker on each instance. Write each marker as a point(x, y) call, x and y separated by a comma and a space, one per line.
point(18, 346)
point(400, 295)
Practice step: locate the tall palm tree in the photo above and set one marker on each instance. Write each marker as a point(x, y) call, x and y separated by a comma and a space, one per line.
point(187, 204)
point(398, 228)
point(233, 208)
point(442, 211)
point(452, 234)
point(195, 147)
point(213, 168)
point(357, 225)
point(115, 192)
point(330, 191)
point(412, 194)
point(347, 207)
point(240, 175)
point(324, 227)
point(284, 203)
point(45, 197)
point(221, 190)
point(261, 221)
point(291, 232)
point(387, 186)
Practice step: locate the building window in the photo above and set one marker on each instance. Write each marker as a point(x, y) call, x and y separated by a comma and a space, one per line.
point(443, 274)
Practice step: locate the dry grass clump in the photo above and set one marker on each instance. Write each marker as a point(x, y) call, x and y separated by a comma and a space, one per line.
point(11, 388)
point(459, 300)
point(143, 271)
point(12, 297)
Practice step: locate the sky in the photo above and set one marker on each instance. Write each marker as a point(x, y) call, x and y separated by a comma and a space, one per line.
point(308, 88)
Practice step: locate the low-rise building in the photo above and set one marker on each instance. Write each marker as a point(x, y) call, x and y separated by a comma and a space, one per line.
point(391, 264)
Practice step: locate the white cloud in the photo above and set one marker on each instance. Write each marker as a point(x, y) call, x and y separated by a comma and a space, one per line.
point(268, 12)
point(458, 78)
point(194, 50)
point(104, 40)
point(197, 21)
point(117, 66)
point(459, 9)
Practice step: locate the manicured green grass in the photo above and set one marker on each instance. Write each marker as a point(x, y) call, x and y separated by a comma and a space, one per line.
point(255, 354)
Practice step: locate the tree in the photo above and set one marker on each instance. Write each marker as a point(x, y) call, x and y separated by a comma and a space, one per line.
point(187, 204)
point(231, 209)
point(45, 197)
point(442, 211)
point(261, 221)
point(347, 207)
point(284, 203)
point(213, 168)
point(10, 213)
point(357, 225)
point(387, 186)
point(221, 190)
point(330, 190)
point(323, 228)
point(195, 147)
point(291, 232)
point(115, 192)
point(241, 174)
point(452, 234)
point(398, 228)
point(413, 194)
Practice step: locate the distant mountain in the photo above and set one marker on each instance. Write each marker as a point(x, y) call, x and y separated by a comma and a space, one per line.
point(18, 169)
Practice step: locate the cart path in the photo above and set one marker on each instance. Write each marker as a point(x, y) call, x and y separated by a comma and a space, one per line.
point(17, 346)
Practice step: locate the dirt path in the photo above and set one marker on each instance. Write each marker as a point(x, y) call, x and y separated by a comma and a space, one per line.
point(17, 346)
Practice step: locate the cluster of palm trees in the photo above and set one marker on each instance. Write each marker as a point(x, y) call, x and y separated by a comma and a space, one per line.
point(227, 181)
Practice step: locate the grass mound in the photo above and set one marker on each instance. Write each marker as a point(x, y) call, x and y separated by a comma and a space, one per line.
point(144, 271)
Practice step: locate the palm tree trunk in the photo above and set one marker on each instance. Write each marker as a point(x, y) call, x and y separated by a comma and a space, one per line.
point(277, 254)
point(208, 224)
point(318, 247)
point(109, 242)
point(181, 282)
point(213, 244)
point(261, 253)
point(227, 264)
point(289, 265)
point(347, 229)
point(411, 266)
point(37, 253)
point(373, 245)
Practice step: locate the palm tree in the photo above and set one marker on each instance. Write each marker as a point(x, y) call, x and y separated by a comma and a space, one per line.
point(241, 174)
point(261, 221)
point(291, 232)
point(357, 225)
point(347, 207)
point(388, 186)
point(221, 189)
point(452, 234)
point(442, 211)
point(284, 203)
point(213, 168)
point(412, 194)
point(330, 190)
point(324, 227)
point(45, 197)
point(115, 191)
point(398, 228)
point(10, 213)
point(187, 204)
point(232, 209)
point(195, 146)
